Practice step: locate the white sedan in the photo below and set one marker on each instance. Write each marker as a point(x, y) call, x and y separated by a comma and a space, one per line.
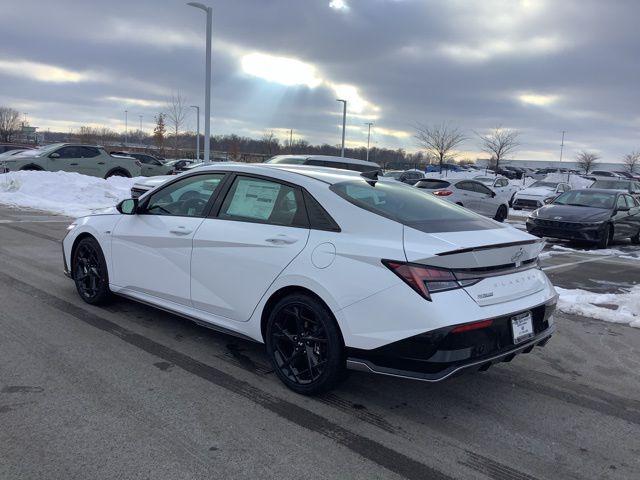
point(501, 185)
point(330, 269)
point(539, 193)
point(470, 194)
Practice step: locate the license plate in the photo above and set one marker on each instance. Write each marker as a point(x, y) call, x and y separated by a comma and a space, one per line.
point(522, 327)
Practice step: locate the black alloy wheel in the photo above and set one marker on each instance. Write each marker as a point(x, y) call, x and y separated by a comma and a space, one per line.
point(501, 214)
point(90, 272)
point(606, 236)
point(305, 345)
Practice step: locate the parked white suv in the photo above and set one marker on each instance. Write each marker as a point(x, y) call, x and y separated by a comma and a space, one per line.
point(329, 268)
point(325, 161)
point(539, 193)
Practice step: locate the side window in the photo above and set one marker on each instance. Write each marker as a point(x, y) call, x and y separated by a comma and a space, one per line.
point(465, 186)
point(621, 202)
point(631, 203)
point(185, 198)
point(69, 152)
point(264, 201)
point(480, 188)
point(501, 182)
point(90, 152)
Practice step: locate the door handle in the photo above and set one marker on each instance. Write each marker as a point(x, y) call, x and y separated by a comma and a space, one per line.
point(281, 240)
point(100, 163)
point(73, 164)
point(180, 231)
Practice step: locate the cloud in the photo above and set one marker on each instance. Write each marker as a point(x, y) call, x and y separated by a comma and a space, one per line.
point(41, 72)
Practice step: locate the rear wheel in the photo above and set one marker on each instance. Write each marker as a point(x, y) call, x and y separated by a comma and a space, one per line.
point(606, 236)
point(636, 238)
point(501, 214)
point(118, 173)
point(90, 272)
point(304, 344)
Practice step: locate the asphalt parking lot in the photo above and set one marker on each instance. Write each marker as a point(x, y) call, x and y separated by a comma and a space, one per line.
point(128, 391)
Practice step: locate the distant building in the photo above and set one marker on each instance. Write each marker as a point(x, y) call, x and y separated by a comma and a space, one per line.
point(27, 134)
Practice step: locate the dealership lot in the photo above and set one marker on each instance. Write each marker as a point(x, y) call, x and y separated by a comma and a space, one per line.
point(130, 391)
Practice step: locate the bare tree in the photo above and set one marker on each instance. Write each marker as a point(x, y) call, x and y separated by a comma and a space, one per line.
point(175, 115)
point(271, 143)
point(439, 140)
point(9, 123)
point(586, 160)
point(499, 143)
point(631, 161)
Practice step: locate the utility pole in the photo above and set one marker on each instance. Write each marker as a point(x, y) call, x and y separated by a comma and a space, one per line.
point(368, 138)
point(344, 122)
point(140, 116)
point(126, 128)
point(207, 90)
point(562, 145)
point(291, 141)
point(197, 130)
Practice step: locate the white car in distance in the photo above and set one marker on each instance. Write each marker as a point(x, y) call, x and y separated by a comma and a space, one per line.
point(330, 269)
point(471, 194)
point(501, 185)
point(538, 194)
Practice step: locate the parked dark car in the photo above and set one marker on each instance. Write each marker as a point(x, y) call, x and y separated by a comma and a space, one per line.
point(604, 173)
point(631, 176)
point(630, 186)
point(592, 215)
point(507, 172)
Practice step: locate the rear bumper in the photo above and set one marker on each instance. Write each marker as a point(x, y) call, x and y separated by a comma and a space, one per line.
point(439, 354)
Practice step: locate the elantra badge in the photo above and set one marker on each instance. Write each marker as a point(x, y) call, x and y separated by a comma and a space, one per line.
point(557, 218)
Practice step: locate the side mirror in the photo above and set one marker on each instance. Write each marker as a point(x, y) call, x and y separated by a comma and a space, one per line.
point(54, 155)
point(128, 206)
point(493, 194)
point(547, 201)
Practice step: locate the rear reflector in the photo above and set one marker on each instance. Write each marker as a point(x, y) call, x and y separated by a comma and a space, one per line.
point(442, 193)
point(472, 326)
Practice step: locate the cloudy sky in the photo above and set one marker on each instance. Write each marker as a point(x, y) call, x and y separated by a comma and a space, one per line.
point(537, 66)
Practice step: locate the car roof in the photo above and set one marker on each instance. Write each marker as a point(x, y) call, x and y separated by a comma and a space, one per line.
point(331, 158)
point(599, 190)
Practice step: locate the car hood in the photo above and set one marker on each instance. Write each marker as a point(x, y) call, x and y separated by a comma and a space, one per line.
point(537, 191)
point(569, 213)
point(151, 182)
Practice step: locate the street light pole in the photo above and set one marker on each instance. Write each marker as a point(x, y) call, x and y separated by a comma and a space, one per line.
point(207, 89)
point(562, 145)
point(126, 128)
point(140, 116)
point(368, 138)
point(198, 130)
point(344, 121)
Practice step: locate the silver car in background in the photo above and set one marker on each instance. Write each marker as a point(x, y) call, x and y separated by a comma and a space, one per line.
point(468, 193)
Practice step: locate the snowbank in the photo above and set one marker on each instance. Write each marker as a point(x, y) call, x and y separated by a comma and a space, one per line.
point(63, 193)
point(576, 181)
point(609, 307)
point(600, 251)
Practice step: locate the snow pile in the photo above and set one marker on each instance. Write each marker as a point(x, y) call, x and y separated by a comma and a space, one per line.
point(576, 181)
point(609, 307)
point(63, 193)
point(601, 251)
point(452, 175)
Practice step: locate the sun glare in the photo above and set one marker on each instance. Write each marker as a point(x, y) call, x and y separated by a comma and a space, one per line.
point(282, 70)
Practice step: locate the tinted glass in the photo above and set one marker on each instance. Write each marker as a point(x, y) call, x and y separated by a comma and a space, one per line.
point(70, 152)
point(263, 201)
point(631, 203)
point(434, 184)
point(485, 180)
point(411, 206)
point(611, 184)
point(90, 152)
point(480, 188)
point(582, 198)
point(364, 168)
point(468, 186)
point(185, 198)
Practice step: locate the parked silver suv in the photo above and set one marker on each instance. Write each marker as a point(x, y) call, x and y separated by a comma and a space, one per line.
point(67, 157)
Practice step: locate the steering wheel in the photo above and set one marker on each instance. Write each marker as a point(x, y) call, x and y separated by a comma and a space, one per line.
point(190, 195)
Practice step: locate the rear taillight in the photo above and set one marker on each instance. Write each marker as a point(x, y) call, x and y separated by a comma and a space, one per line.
point(442, 193)
point(467, 327)
point(426, 280)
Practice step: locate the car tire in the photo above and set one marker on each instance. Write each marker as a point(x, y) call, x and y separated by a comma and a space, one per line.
point(118, 173)
point(305, 345)
point(89, 272)
point(501, 214)
point(606, 236)
point(636, 238)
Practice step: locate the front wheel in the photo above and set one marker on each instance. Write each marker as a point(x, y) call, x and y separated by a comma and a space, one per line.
point(304, 344)
point(90, 272)
point(606, 236)
point(501, 214)
point(636, 238)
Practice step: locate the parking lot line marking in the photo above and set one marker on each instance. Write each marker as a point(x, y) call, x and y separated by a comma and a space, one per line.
point(587, 260)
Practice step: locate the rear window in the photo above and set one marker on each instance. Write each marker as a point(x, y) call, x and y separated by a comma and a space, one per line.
point(611, 184)
point(287, 160)
point(411, 207)
point(432, 184)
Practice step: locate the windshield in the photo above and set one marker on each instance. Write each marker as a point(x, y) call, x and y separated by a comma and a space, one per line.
point(287, 160)
point(42, 151)
point(485, 180)
point(581, 198)
point(411, 207)
point(395, 175)
point(611, 184)
point(544, 184)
